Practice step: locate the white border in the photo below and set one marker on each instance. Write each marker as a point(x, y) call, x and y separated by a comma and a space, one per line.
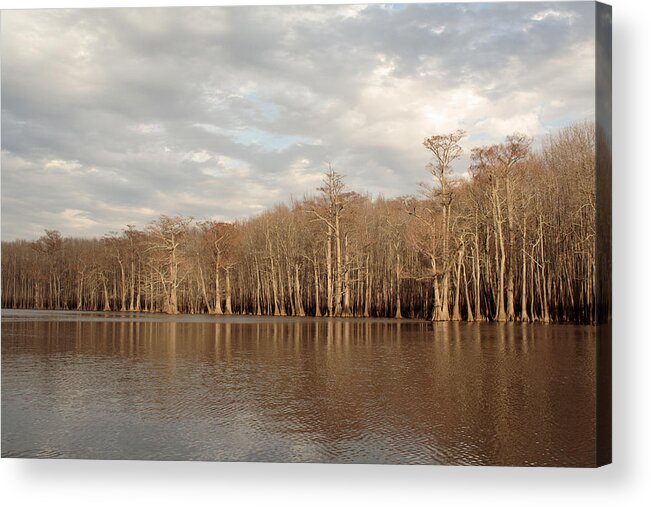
point(626, 482)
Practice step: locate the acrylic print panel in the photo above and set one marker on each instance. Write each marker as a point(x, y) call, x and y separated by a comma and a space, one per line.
point(341, 234)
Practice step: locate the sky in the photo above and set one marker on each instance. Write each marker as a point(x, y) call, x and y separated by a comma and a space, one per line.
point(114, 116)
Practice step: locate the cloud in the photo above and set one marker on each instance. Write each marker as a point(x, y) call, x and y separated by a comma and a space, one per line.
point(111, 116)
point(75, 219)
point(553, 13)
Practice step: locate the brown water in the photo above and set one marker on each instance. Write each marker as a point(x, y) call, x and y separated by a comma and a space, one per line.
point(125, 386)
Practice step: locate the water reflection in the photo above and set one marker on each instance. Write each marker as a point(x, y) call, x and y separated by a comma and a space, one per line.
point(273, 389)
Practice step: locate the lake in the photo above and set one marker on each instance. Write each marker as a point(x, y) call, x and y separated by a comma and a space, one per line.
point(239, 388)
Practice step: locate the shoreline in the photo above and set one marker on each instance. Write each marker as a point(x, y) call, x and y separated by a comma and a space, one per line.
point(166, 317)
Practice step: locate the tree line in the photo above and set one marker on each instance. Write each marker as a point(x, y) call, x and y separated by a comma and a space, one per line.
point(513, 239)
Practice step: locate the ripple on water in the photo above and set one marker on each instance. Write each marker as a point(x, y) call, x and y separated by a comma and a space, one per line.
point(263, 389)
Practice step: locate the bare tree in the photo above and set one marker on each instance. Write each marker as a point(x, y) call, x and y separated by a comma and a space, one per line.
point(514, 240)
point(165, 237)
point(445, 150)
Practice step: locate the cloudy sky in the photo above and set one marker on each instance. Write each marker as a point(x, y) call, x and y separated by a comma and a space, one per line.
point(114, 116)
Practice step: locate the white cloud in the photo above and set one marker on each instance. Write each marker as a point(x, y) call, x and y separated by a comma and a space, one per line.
point(114, 116)
point(149, 128)
point(226, 167)
point(76, 219)
point(553, 13)
point(199, 156)
point(529, 124)
point(67, 166)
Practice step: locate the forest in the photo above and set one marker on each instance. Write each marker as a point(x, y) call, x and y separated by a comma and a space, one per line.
point(513, 239)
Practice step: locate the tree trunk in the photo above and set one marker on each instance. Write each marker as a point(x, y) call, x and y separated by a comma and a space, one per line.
point(317, 302)
point(329, 280)
point(345, 310)
point(398, 314)
point(228, 310)
point(202, 285)
point(107, 306)
point(339, 282)
point(298, 303)
point(456, 313)
point(217, 309)
point(500, 314)
point(524, 316)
